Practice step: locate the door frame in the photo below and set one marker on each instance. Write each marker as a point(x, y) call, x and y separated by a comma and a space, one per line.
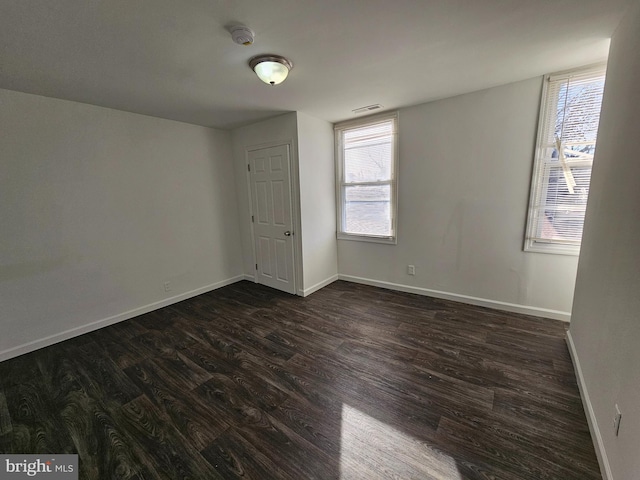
point(294, 181)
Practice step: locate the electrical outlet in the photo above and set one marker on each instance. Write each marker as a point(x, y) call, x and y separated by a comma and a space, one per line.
point(411, 269)
point(616, 421)
point(167, 286)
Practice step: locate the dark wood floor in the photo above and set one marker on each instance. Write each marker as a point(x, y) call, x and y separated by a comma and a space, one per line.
point(353, 382)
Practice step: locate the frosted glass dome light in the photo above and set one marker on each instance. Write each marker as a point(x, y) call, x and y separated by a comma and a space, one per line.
point(271, 69)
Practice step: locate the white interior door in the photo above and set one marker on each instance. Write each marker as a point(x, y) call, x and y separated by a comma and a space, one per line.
point(270, 182)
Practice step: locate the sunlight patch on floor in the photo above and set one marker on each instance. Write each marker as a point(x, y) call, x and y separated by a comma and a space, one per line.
point(372, 449)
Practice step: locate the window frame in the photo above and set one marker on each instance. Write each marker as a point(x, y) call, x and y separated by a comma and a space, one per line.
point(541, 168)
point(341, 184)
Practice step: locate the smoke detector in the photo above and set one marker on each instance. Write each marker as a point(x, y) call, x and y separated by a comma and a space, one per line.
point(242, 35)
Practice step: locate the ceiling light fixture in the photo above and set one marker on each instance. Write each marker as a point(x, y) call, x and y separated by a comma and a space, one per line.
point(271, 69)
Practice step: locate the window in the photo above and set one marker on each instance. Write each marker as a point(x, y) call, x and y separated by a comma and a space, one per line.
point(366, 154)
point(569, 117)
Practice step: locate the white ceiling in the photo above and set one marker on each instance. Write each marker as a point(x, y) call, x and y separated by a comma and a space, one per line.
point(175, 59)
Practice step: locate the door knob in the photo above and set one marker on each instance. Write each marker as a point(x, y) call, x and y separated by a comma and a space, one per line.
point(287, 233)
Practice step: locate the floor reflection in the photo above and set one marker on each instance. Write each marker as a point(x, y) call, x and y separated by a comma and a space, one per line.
point(373, 449)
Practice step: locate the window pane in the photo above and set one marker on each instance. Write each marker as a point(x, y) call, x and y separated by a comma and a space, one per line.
point(368, 210)
point(563, 215)
point(578, 111)
point(368, 153)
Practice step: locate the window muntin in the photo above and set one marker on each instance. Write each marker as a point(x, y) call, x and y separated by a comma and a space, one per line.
point(367, 165)
point(567, 133)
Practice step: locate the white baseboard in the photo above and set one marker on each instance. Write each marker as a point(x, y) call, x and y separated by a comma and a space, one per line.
point(596, 436)
point(89, 327)
point(308, 291)
point(251, 278)
point(456, 297)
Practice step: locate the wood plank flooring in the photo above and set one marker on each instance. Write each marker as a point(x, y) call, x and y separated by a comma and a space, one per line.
point(352, 382)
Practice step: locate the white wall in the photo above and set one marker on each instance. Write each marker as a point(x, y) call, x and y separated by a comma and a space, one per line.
point(274, 131)
point(317, 202)
point(605, 326)
point(313, 194)
point(464, 179)
point(98, 209)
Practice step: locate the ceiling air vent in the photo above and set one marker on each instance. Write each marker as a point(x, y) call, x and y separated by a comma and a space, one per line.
point(366, 109)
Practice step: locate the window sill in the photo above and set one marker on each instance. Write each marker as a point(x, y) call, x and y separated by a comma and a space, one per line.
point(367, 238)
point(552, 248)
